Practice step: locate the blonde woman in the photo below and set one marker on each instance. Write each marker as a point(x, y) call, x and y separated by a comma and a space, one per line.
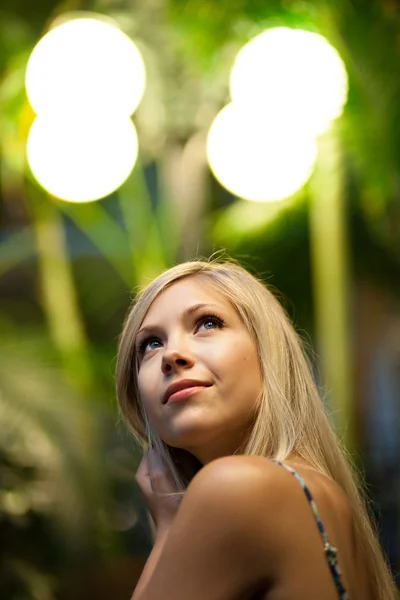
point(247, 485)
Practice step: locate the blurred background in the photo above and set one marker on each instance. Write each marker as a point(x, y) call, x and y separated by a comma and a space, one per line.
point(135, 135)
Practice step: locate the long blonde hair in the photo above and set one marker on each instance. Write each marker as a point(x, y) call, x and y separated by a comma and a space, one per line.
point(290, 417)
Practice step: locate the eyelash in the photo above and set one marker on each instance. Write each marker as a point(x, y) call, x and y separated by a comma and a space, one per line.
point(204, 319)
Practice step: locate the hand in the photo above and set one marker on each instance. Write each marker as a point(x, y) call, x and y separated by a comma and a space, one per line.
point(154, 483)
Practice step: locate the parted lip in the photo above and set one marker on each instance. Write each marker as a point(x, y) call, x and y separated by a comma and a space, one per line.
point(182, 385)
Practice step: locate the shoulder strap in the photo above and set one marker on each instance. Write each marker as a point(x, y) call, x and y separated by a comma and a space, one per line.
point(330, 551)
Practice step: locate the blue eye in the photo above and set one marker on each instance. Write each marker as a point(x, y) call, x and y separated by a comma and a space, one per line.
point(144, 343)
point(204, 320)
point(211, 319)
point(152, 342)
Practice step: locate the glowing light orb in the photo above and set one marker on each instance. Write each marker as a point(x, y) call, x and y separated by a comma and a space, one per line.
point(294, 73)
point(82, 159)
point(85, 64)
point(257, 157)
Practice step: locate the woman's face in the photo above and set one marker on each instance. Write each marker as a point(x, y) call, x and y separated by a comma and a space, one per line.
point(193, 332)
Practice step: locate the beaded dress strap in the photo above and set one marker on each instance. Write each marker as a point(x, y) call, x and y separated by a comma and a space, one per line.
point(330, 551)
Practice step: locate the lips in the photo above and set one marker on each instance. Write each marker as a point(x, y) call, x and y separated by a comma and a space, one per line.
point(183, 385)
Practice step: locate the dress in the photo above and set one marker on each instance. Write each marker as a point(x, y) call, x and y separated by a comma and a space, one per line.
point(330, 551)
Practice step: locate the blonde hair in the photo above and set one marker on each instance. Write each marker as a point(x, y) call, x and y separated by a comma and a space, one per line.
point(290, 417)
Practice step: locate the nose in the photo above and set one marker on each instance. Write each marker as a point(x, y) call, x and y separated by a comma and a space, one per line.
point(175, 358)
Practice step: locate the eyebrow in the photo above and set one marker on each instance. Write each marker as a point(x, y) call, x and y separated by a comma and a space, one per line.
point(187, 312)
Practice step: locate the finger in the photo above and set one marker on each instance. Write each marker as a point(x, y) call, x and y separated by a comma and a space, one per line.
point(144, 465)
point(143, 472)
point(155, 461)
point(144, 485)
point(153, 475)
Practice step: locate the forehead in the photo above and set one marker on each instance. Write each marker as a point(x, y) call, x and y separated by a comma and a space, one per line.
point(181, 295)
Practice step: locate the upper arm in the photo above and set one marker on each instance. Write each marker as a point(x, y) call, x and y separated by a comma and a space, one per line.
point(220, 545)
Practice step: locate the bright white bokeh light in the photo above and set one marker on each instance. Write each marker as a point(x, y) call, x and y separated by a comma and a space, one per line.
point(294, 73)
point(82, 159)
point(257, 157)
point(85, 64)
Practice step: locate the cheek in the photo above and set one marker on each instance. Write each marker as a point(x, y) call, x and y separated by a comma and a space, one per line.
point(239, 363)
point(251, 361)
point(147, 389)
point(245, 356)
point(251, 371)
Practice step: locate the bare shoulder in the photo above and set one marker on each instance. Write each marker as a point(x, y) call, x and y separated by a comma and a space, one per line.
point(274, 483)
point(266, 493)
point(285, 516)
point(269, 499)
point(245, 526)
point(234, 483)
point(238, 480)
point(218, 545)
point(230, 470)
point(277, 523)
